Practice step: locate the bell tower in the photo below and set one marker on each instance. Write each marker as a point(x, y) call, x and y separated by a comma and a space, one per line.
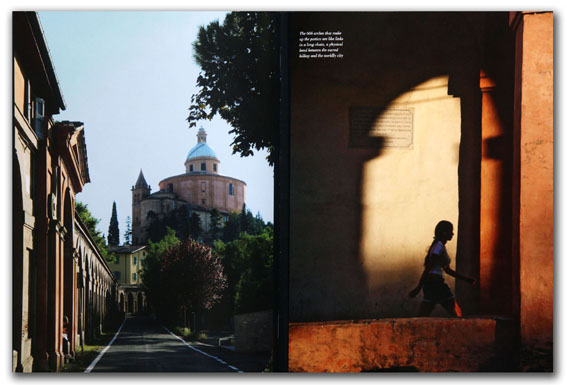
point(140, 191)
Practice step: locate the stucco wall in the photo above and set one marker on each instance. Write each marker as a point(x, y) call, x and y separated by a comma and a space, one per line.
point(253, 331)
point(24, 223)
point(403, 345)
point(209, 162)
point(363, 217)
point(189, 187)
point(19, 87)
point(536, 181)
point(126, 266)
point(405, 192)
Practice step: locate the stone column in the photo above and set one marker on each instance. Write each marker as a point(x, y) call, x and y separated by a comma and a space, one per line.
point(495, 253)
point(533, 183)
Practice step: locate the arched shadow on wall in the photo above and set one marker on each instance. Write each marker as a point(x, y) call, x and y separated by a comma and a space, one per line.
point(386, 54)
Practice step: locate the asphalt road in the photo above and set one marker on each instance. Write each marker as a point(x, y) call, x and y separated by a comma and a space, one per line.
point(145, 346)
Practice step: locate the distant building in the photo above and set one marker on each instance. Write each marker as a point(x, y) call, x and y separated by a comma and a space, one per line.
point(201, 188)
point(127, 270)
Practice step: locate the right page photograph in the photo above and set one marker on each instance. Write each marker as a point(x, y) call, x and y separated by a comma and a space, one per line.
point(421, 192)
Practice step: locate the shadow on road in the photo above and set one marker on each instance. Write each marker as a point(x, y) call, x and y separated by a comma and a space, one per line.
point(144, 345)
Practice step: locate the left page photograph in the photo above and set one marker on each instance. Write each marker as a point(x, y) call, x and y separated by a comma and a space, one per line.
point(144, 150)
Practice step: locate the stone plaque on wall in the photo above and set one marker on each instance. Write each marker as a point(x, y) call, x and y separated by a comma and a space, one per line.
point(381, 127)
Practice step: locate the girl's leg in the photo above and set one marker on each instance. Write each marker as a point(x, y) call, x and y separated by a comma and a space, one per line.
point(452, 308)
point(425, 309)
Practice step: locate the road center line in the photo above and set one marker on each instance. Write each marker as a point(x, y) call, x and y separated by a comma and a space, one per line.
point(97, 359)
point(203, 353)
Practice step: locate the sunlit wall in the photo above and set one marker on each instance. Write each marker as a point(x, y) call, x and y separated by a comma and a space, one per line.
point(405, 192)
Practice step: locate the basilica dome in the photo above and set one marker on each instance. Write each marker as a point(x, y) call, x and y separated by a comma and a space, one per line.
point(201, 149)
point(202, 158)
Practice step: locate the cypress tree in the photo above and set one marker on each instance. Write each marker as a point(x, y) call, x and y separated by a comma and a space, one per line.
point(113, 232)
point(128, 233)
point(195, 229)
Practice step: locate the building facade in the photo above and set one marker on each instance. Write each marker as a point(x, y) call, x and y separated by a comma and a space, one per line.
point(127, 270)
point(201, 188)
point(57, 270)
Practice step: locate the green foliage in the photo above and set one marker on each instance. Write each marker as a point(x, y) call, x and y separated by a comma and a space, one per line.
point(181, 277)
point(248, 263)
point(254, 290)
point(195, 229)
point(196, 336)
point(178, 219)
point(246, 258)
point(113, 231)
point(231, 229)
point(87, 353)
point(243, 222)
point(239, 79)
point(91, 222)
point(157, 249)
point(151, 279)
point(214, 232)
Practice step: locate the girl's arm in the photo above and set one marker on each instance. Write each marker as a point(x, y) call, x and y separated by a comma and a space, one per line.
point(417, 289)
point(453, 273)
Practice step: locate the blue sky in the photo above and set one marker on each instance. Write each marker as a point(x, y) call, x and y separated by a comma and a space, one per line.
point(129, 77)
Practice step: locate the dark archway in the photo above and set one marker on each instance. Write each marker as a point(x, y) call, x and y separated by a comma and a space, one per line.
point(69, 273)
point(140, 303)
point(122, 308)
point(17, 260)
point(130, 303)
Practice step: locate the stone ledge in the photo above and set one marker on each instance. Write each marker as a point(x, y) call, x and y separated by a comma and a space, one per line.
point(404, 344)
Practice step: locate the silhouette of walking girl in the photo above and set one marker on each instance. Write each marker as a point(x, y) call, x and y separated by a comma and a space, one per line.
point(437, 261)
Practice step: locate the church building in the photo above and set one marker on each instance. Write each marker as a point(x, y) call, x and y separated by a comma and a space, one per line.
point(201, 187)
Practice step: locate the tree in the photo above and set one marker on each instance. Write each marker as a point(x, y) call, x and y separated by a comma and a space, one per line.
point(185, 276)
point(194, 274)
point(254, 290)
point(239, 79)
point(245, 219)
point(151, 271)
point(215, 227)
point(156, 227)
point(248, 262)
point(231, 228)
point(91, 222)
point(195, 229)
point(128, 232)
point(113, 231)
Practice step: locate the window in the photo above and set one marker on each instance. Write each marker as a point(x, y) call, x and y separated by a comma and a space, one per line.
point(203, 201)
point(203, 186)
point(27, 101)
point(230, 189)
point(215, 167)
point(190, 168)
point(134, 277)
point(118, 275)
point(203, 167)
point(117, 262)
point(135, 260)
point(38, 116)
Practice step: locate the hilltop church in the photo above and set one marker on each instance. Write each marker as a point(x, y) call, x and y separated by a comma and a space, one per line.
point(201, 187)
